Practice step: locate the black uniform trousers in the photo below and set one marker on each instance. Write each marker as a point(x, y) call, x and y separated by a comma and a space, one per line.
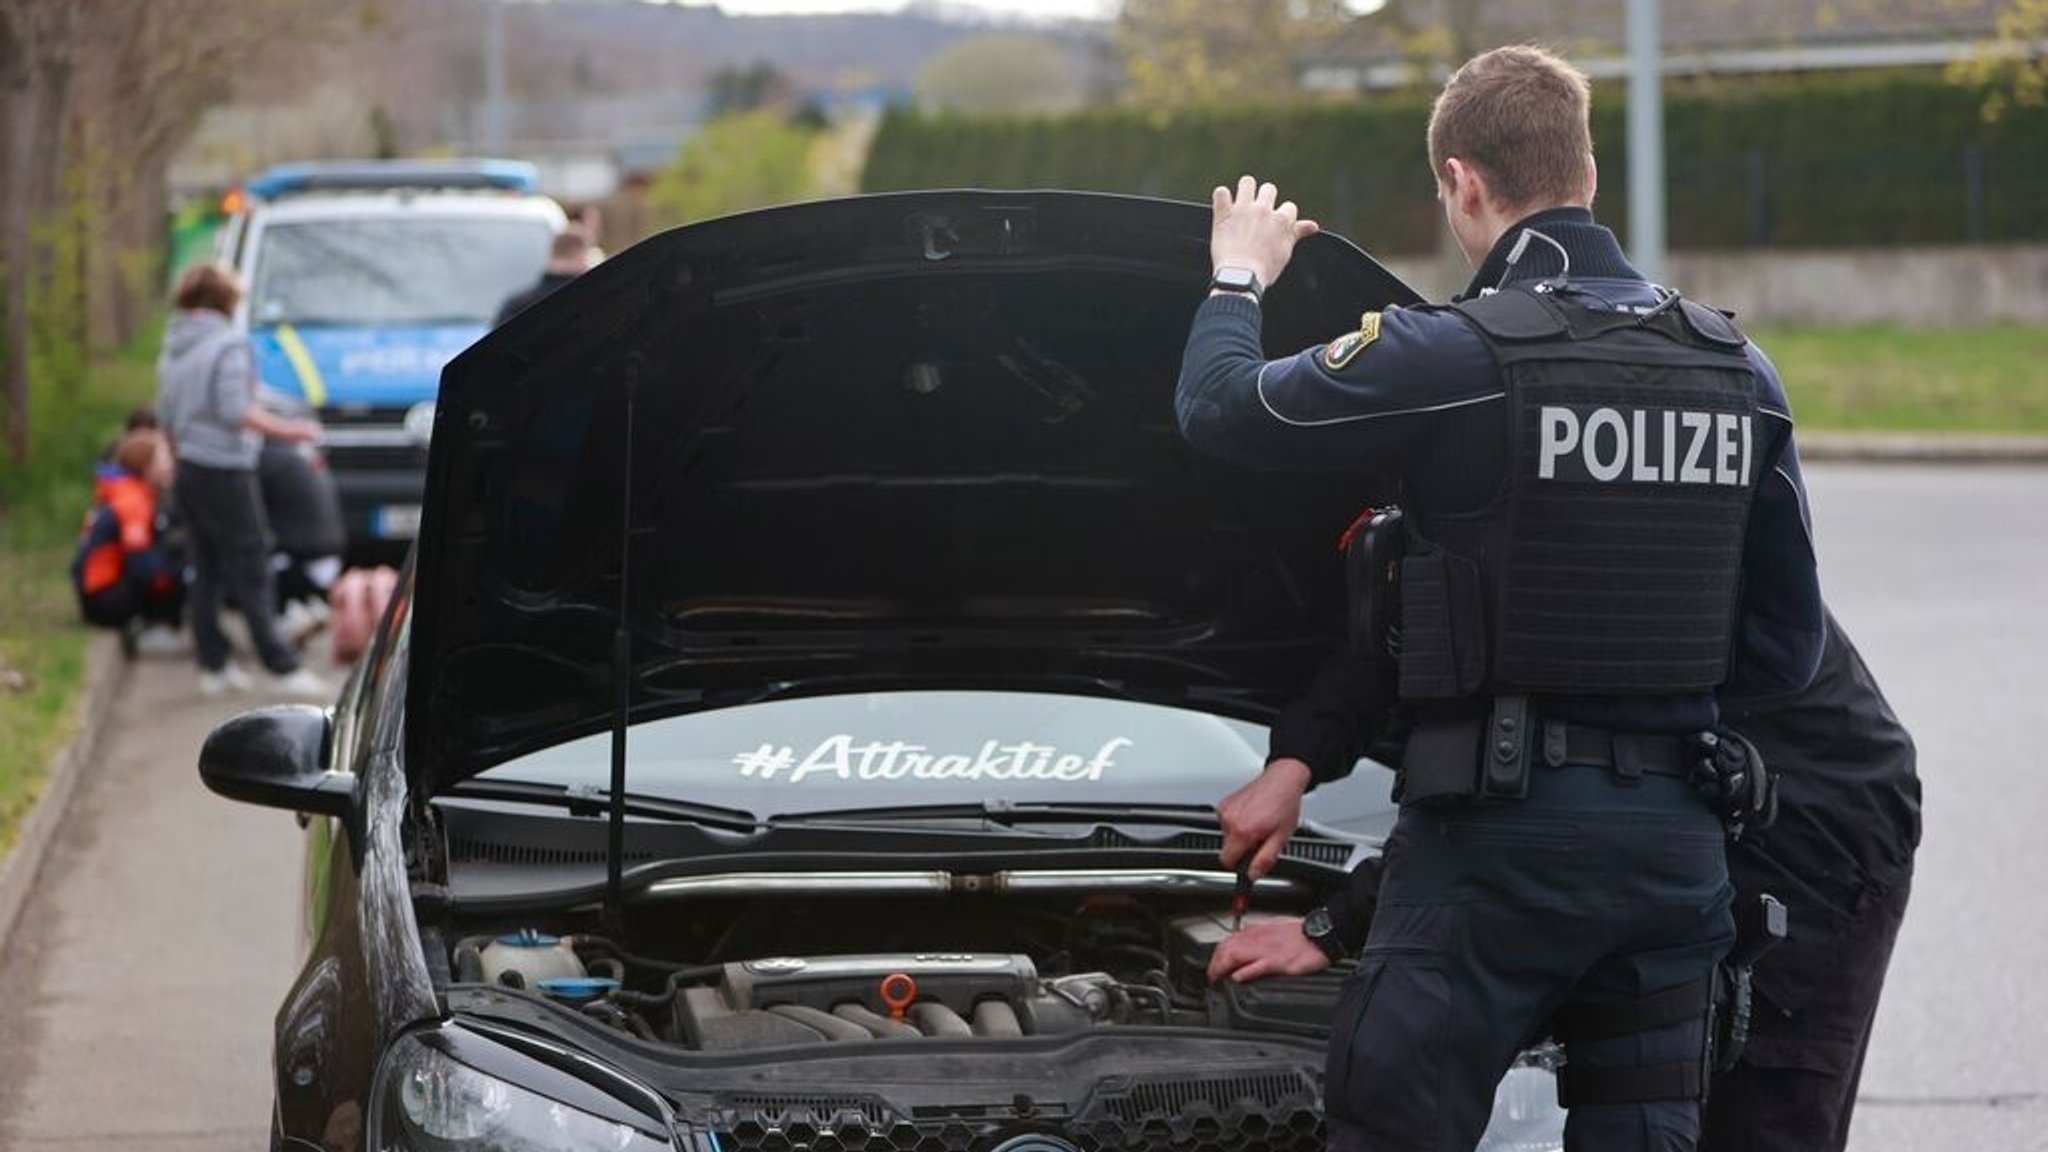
point(1817, 995)
point(1841, 858)
point(1492, 916)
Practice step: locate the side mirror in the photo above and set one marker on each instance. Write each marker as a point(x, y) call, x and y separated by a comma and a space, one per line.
point(277, 757)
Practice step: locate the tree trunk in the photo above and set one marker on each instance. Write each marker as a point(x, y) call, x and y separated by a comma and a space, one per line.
point(37, 41)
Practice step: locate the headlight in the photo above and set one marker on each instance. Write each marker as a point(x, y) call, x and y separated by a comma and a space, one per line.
point(1526, 1117)
point(427, 1101)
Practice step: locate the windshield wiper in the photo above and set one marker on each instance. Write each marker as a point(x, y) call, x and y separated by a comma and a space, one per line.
point(591, 801)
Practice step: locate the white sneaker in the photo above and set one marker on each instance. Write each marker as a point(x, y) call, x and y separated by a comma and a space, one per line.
point(159, 640)
point(302, 682)
point(229, 679)
point(294, 623)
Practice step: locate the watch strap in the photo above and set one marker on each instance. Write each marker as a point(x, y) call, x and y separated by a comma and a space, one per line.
point(1244, 281)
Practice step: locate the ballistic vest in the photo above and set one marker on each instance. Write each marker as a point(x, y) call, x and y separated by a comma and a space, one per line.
point(1610, 561)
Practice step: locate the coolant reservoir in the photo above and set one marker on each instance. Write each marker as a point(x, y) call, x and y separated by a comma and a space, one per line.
point(536, 956)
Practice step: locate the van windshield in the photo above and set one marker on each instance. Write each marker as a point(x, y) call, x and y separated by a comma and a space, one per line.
point(415, 271)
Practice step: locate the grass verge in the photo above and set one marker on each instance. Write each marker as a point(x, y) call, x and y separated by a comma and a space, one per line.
point(1884, 379)
point(41, 506)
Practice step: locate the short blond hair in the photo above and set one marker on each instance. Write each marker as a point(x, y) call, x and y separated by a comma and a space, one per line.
point(1522, 117)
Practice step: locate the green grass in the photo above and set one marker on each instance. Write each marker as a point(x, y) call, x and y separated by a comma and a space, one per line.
point(1884, 379)
point(41, 506)
point(41, 639)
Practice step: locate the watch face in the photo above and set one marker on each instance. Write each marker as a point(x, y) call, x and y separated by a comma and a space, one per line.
point(1316, 924)
point(1238, 279)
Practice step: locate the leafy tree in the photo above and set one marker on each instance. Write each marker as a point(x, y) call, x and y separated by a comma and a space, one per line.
point(736, 162)
point(1000, 72)
point(2012, 63)
point(745, 88)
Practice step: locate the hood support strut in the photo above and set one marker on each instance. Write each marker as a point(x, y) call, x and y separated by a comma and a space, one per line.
point(622, 677)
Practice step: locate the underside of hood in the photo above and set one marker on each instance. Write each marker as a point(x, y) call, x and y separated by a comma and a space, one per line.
point(921, 440)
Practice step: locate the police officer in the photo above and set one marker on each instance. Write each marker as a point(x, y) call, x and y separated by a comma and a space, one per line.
point(1840, 853)
point(1841, 857)
point(1607, 526)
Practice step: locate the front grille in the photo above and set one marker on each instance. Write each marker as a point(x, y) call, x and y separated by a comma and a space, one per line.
point(1254, 1112)
point(356, 416)
point(380, 457)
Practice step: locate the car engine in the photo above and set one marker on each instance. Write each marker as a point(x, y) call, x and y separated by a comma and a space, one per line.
point(1112, 962)
point(799, 1024)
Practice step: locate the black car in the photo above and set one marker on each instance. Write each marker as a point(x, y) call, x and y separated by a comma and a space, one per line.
point(799, 724)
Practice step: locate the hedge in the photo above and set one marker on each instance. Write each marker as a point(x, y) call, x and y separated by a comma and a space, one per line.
point(1823, 160)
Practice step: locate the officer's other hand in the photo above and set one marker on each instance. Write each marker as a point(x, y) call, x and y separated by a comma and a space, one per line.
point(1258, 818)
point(1251, 230)
point(1267, 948)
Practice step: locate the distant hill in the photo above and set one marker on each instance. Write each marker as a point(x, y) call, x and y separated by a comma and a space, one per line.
point(423, 61)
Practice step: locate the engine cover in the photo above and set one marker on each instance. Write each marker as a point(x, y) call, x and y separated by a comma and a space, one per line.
point(803, 1000)
point(957, 980)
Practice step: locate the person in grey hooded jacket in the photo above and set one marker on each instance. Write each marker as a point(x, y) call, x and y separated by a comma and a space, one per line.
point(206, 400)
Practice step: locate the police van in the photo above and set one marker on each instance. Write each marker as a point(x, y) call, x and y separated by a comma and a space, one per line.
point(364, 279)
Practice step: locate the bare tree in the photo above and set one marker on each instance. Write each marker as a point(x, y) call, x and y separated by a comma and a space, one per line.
point(38, 39)
point(99, 94)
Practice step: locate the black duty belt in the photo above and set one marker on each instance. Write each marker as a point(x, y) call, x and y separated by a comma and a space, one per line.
point(1628, 754)
point(1491, 756)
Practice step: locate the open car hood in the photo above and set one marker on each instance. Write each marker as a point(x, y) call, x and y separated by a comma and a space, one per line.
point(921, 440)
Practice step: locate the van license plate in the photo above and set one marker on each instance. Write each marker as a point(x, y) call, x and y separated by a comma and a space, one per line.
point(398, 521)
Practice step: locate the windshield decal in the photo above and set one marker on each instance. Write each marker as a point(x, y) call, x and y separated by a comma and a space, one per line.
point(841, 759)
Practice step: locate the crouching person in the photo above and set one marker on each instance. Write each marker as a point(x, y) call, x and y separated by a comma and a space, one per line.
point(125, 573)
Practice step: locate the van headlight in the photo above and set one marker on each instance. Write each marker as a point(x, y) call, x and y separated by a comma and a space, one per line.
point(427, 1101)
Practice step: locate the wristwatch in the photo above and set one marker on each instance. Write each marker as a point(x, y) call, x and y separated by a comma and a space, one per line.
point(1322, 932)
point(1231, 278)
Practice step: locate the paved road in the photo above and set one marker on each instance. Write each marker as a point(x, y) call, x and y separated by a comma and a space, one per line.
point(135, 1003)
point(1942, 577)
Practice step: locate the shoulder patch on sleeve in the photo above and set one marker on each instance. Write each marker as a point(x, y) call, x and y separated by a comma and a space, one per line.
point(1345, 348)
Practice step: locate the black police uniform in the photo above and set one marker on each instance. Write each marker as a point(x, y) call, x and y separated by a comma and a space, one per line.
point(1591, 469)
point(1841, 858)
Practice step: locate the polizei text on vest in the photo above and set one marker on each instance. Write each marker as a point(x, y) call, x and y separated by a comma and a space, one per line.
point(1637, 445)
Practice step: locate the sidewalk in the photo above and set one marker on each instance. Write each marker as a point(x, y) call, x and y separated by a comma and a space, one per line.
point(137, 989)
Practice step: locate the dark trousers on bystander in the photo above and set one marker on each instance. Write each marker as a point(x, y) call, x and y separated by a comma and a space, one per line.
point(230, 549)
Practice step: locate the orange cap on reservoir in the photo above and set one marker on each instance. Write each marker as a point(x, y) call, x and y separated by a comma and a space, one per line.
point(899, 992)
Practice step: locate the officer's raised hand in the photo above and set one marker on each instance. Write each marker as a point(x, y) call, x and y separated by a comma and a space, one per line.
point(1258, 818)
point(1267, 948)
point(1253, 232)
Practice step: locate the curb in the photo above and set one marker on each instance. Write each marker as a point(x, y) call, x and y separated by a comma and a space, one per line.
point(105, 669)
point(1921, 448)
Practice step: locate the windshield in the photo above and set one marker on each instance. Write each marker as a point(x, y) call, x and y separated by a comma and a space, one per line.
point(422, 270)
point(894, 749)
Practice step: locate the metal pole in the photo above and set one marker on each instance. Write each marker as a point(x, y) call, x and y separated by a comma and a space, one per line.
point(494, 77)
point(1646, 138)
